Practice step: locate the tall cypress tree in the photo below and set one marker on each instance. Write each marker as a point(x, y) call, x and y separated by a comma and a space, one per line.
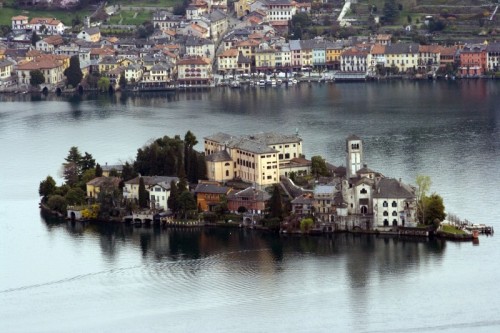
point(143, 194)
point(172, 199)
point(74, 73)
point(275, 203)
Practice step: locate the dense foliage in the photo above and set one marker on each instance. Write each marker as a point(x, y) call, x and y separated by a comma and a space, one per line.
point(73, 73)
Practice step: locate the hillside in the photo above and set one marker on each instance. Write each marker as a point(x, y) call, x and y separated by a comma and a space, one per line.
point(451, 20)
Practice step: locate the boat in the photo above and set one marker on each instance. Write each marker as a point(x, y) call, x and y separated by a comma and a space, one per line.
point(235, 84)
point(273, 82)
point(262, 83)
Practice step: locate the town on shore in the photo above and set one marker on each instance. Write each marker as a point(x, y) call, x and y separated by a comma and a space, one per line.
point(258, 181)
point(215, 42)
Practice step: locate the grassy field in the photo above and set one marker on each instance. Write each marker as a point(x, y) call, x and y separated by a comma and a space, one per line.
point(146, 3)
point(452, 230)
point(130, 17)
point(65, 16)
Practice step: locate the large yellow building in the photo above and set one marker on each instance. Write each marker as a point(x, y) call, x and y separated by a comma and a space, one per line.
point(252, 158)
point(403, 56)
point(265, 59)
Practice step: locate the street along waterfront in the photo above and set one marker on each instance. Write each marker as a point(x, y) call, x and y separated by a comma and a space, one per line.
point(131, 279)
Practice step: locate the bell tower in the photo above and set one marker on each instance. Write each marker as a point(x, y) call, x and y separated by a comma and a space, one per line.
point(354, 155)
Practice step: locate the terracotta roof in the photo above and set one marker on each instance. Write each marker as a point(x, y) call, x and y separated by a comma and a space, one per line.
point(102, 51)
point(19, 18)
point(33, 53)
point(39, 64)
point(198, 28)
point(229, 53)
point(194, 61)
point(429, 48)
point(378, 49)
point(54, 40)
point(45, 20)
point(100, 181)
point(279, 23)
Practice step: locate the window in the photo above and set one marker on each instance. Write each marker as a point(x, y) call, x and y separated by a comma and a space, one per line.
point(364, 210)
point(386, 223)
point(394, 204)
point(287, 155)
point(363, 191)
point(385, 204)
point(227, 173)
point(386, 213)
point(394, 213)
point(395, 222)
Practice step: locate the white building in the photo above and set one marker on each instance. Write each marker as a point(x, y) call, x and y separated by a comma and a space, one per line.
point(394, 204)
point(158, 188)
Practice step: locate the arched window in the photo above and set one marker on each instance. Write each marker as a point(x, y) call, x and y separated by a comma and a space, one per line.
point(385, 204)
point(363, 191)
point(395, 222)
point(386, 223)
point(394, 213)
point(394, 204)
point(386, 214)
point(364, 210)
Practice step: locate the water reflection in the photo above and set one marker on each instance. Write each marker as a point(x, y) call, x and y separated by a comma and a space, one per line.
point(363, 254)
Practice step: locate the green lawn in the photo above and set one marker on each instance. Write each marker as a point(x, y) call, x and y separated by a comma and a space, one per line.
point(65, 16)
point(452, 230)
point(146, 3)
point(130, 17)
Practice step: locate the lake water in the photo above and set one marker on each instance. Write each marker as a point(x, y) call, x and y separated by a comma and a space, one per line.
point(61, 277)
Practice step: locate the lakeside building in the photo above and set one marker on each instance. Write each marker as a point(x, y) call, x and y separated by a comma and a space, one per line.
point(102, 184)
point(158, 188)
point(252, 158)
point(186, 53)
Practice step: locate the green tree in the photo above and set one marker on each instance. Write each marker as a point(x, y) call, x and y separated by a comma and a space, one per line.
point(75, 196)
point(5, 30)
point(143, 194)
point(186, 203)
point(173, 197)
point(128, 172)
point(306, 224)
point(71, 173)
point(34, 38)
point(86, 162)
point(57, 203)
point(190, 156)
point(73, 73)
point(98, 171)
point(275, 203)
point(391, 12)
point(36, 77)
point(103, 84)
point(423, 186)
point(47, 188)
point(318, 166)
point(123, 81)
point(201, 167)
point(434, 210)
point(87, 176)
point(74, 155)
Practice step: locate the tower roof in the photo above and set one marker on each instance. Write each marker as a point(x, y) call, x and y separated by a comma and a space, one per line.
point(353, 137)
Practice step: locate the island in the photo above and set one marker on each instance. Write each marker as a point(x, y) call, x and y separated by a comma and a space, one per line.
point(258, 181)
